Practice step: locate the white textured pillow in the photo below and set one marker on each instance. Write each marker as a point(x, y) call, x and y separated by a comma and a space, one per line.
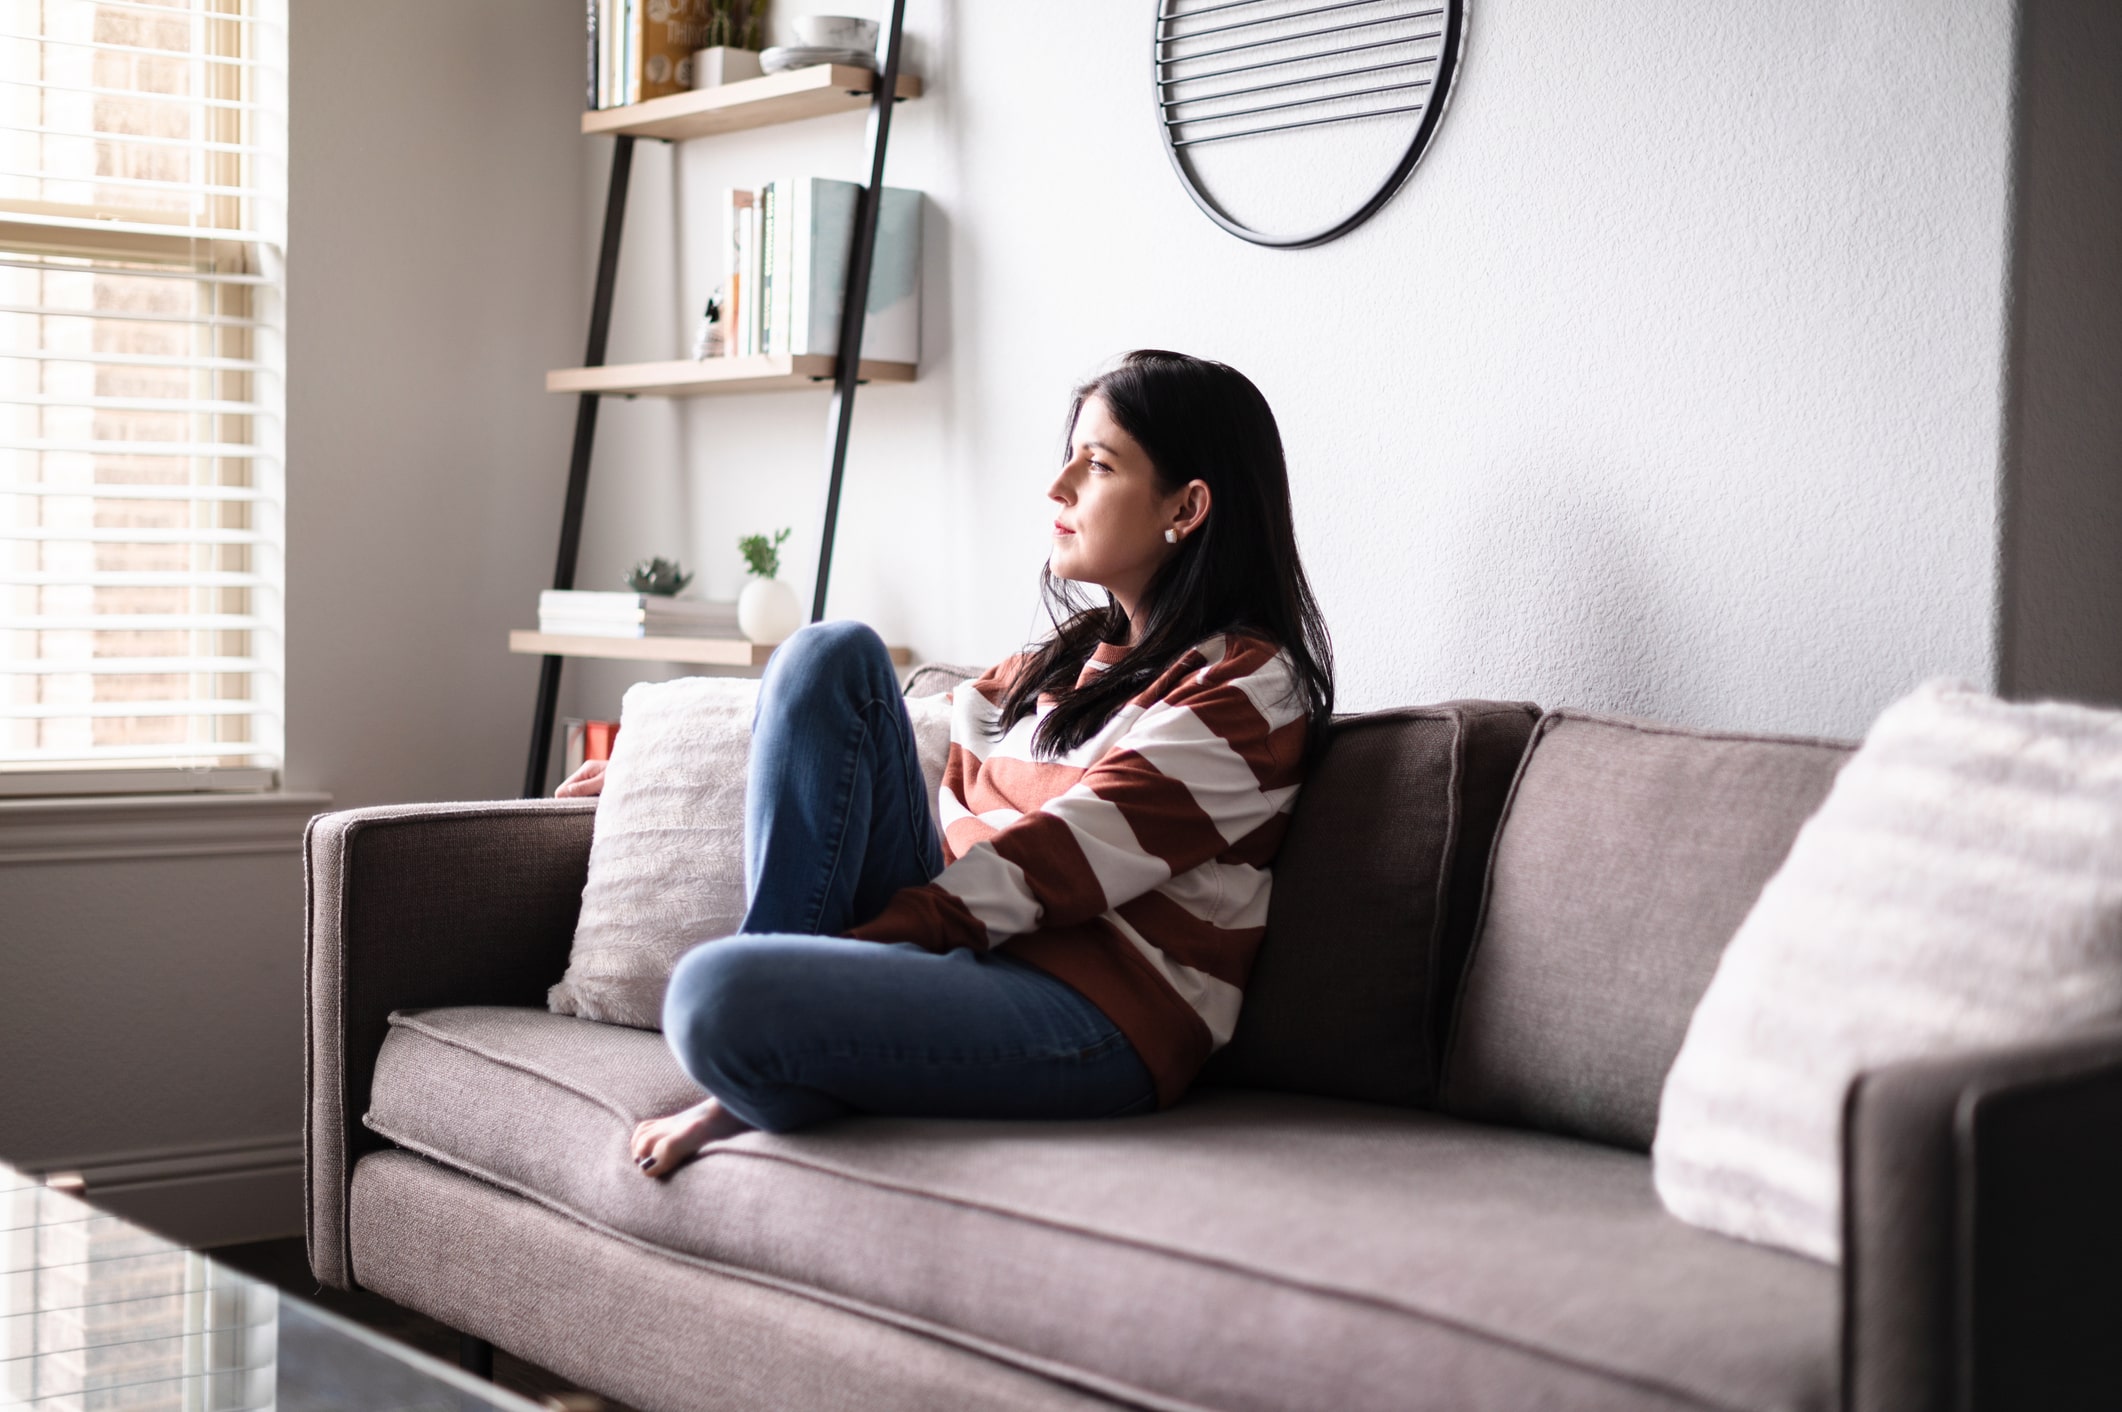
point(1960, 887)
point(666, 860)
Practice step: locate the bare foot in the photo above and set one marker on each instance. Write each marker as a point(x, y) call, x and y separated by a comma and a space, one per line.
point(663, 1145)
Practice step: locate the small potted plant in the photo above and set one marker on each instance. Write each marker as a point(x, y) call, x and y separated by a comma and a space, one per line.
point(660, 577)
point(767, 610)
point(730, 36)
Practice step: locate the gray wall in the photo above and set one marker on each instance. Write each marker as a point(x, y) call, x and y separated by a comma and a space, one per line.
point(435, 274)
point(2062, 551)
point(151, 1005)
point(150, 1019)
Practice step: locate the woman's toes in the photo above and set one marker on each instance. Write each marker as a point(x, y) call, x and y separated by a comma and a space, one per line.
point(662, 1145)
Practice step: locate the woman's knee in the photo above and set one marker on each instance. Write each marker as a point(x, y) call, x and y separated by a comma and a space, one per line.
point(718, 1009)
point(827, 656)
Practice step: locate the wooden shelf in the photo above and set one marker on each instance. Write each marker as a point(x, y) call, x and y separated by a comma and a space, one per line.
point(753, 102)
point(701, 651)
point(687, 377)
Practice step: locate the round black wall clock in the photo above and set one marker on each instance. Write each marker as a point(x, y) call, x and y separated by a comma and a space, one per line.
point(1291, 122)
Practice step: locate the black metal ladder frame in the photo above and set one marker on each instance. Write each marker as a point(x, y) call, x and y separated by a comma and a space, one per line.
point(847, 363)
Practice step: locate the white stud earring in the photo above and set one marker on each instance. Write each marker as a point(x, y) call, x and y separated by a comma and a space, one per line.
point(1171, 536)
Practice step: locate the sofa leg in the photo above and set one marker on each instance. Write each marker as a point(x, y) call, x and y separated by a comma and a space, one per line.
point(475, 1356)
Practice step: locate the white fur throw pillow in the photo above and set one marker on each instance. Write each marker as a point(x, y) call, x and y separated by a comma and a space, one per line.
point(666, 859)
point(1961, 887)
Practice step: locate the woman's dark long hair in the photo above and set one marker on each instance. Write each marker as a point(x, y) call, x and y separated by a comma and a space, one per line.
point(1239, 572)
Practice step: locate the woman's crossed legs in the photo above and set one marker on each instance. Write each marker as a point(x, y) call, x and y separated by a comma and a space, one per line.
point(788, 1024)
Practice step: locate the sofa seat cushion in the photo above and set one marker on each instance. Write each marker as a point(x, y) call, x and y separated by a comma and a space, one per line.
point(1241, 1250)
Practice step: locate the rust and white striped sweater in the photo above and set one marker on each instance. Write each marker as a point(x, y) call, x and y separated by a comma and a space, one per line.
point(1135, 868)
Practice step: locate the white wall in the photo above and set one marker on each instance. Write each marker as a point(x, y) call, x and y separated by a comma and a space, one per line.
point(1670, 384)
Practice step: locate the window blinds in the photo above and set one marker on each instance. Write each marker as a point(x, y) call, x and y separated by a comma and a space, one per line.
point(142, 225)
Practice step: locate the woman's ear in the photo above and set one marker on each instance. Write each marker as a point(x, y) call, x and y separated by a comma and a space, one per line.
point(1194, 507)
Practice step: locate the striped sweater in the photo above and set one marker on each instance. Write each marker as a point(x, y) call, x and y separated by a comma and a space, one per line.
point(1135, 868)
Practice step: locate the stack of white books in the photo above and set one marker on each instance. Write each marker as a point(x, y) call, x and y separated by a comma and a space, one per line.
point(583, 613)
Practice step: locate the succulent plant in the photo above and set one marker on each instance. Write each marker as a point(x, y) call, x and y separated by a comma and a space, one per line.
point(762, 555)
point(733, 23)
point(661, 576)
point(721, 23)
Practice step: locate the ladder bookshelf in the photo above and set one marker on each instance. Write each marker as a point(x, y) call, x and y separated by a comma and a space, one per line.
point(787, 97)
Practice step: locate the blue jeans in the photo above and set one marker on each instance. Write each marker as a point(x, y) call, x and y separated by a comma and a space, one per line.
point(789, 1024)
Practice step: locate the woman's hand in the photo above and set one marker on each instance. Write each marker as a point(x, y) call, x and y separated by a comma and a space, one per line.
point(584, 782)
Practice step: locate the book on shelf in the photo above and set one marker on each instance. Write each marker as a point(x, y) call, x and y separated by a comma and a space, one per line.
point(587, 740)
point(738, 284)
point(789, 243)
point(767, 266)
point(642, 49)
point(596, 54)
point(587, 613)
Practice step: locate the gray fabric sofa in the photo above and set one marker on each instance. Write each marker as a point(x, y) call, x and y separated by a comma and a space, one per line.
point(1417, 1178)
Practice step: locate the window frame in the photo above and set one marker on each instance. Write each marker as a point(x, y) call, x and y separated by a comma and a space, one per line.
point(236, 261)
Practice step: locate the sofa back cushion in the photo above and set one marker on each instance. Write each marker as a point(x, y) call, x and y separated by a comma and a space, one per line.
point(1375, 894)
point(1628, 855)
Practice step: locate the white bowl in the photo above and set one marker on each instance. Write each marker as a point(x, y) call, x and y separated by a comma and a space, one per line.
point(789, 56)
point(835, 32)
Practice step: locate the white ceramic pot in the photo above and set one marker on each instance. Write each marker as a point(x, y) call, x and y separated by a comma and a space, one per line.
point(767, 611)
point(711, 68)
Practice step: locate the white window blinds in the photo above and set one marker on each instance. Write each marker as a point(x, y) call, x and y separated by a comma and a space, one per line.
point(143, 181)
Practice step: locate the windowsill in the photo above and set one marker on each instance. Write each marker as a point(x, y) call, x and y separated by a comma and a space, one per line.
point(141, 778)
point(87, 828)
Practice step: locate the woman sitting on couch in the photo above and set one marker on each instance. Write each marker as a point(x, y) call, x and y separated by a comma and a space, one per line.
point(1076, 943)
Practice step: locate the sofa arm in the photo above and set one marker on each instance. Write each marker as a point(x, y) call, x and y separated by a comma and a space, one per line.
point(1982, 1229)
point(432, 904)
